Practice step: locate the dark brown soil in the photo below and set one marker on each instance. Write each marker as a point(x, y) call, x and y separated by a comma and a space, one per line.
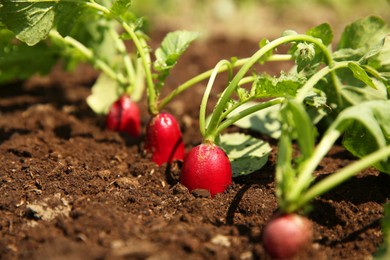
point(72, 190)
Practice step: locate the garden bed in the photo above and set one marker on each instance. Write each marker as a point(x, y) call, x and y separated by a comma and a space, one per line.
point(72, 190)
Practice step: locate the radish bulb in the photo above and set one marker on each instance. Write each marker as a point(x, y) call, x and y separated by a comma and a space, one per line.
point(207, 167)
point(285, 235)
point(124, 116)
point(164, 139)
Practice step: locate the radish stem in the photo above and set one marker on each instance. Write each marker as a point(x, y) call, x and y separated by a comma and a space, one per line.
point(210, 84)
point(217, 117)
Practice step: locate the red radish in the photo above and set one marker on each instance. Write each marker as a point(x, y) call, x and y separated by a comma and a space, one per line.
point(124, 116)
point(285, 235)
point(164, 140)
point(207, 167)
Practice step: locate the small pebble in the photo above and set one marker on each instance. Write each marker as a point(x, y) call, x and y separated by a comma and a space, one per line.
point(201, 193)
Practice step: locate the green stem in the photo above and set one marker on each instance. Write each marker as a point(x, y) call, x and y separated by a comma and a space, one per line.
point(224, 99)
point(337, 178)
point(99, 63)
point(280, 57)
point(247, 80)
point(374, 73)
point(96, 6)
point(231, 120)
point(126, 60)
point(146, 64)
point(309, 85)
point(206, 74)
point(154, 108)
point(139, 81)
point(284, 172)
point(305, 176)
point(144, 55)
point(210, 84)
point(189, 83)
point(243, 81)
point(338, 86)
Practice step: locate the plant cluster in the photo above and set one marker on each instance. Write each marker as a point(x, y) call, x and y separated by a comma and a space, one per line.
point(333, 92)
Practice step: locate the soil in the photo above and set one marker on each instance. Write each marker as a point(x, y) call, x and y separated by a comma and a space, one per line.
point(70, 189)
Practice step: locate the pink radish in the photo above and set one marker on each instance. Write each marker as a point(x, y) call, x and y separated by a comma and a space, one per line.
point(206, 166)
point(285, 235)
point(124, 116)
point(164, 139)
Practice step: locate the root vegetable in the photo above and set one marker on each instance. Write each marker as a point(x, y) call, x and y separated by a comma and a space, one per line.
point(124, 116)
point(164, 139)
point(285, 235)
point(206, 166)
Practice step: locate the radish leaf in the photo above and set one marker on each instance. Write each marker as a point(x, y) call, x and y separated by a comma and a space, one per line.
point(246, 154)
point(264, 121)
point(19, 61)
point(360, 74)
point(294, 114)
point(356, 95)
point(104, 92)
point(307, 55)
point(95, 33)
point(369, 130)
point(120, 7)
point(363, 34)
point(172, 47)
point(323, 32)
point(285, 85)
point(31, 21)
point(364, 39)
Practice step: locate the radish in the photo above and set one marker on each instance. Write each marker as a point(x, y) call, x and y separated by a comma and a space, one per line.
point(164, 139)
point(124, 116)
point(285, 235)
point(207, 167)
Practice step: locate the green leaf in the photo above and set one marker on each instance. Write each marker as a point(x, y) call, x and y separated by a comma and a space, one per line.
point(267, 121)
point(242, 93)
point(304, 55)
point(384, 54)
point(363, 33)
point(31, 21)
point(265, 57)
point(96, 35)
point(286, 85)
point(316, 98)
point(367, 128)
point(383, 252)
point(316, 105)
point(372, 55)
point(172, 47)
point(19, 61)
point(264, 121)
point(361, 74)
point(308, 55)
point(104, 93)
point(289, 32)
point(323, 32)
point(379, 57)
point(363, 40)
point(120, 7)
point(295, 116)
point(348, 54)
point(246, 154)
point(285, 173)
point(356, 95)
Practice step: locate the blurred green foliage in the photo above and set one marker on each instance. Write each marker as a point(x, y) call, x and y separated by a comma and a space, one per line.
point(256, 18)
